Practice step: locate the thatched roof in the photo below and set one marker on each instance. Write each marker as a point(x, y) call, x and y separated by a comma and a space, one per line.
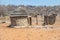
point(18, 12)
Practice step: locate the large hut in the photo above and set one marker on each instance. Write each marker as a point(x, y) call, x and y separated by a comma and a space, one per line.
point(19, 17)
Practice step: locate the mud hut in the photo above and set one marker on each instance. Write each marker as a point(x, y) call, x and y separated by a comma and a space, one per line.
point(20, 18)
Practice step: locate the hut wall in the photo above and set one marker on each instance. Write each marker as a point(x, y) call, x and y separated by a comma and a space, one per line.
point(52, 19)
point(13, 21)
point(40, 20)
point(21, 21)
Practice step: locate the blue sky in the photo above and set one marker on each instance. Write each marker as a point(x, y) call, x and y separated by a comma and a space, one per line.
point(30, 2)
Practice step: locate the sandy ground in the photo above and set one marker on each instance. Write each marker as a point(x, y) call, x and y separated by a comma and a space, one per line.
point(29, 34)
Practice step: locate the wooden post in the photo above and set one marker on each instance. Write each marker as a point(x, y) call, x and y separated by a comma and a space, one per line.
point(29, 20)
point(36, 20)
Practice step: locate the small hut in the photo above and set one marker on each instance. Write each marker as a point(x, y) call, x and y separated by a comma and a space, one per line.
point(50, 19)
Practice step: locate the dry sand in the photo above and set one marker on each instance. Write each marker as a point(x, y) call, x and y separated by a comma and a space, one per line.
point(29, 34)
